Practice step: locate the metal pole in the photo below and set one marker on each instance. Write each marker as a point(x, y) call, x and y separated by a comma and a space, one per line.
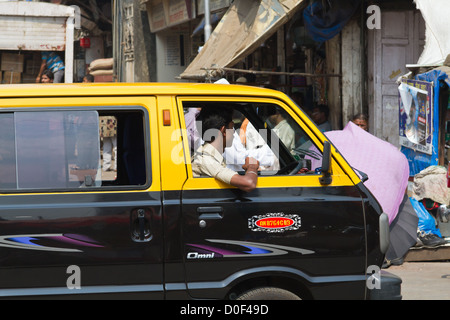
point(207, 21)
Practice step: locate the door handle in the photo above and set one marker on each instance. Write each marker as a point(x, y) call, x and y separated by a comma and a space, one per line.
point(141, 219)
point(210, 213)
point(140, 226)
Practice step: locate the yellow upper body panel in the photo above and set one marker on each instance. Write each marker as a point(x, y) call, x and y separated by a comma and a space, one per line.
point(166, 94)
point(120, 89)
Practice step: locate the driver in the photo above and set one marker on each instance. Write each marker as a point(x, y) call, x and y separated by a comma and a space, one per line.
point(217, 131)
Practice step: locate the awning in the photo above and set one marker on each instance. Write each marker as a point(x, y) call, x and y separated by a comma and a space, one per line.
point(437, 46)
point(246, 25)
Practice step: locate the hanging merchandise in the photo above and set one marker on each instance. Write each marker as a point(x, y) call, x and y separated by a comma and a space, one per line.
point(325, 19)
point(418, 160)
point(416, 116)
point(85, 42)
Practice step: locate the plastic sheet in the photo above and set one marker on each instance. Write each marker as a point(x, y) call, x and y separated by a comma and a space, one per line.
point(427, 223)
point(322, 23)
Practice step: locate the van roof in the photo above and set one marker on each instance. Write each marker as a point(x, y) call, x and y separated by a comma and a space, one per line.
point(112, 89)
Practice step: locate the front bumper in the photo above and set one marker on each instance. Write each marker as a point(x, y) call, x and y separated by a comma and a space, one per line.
point(389, 289)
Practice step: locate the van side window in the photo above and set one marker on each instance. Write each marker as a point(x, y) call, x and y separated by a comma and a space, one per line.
point(7, 152)
point(265, 132)
point(72, 150)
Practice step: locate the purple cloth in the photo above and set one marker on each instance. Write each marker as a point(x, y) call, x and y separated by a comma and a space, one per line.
point(386, 167)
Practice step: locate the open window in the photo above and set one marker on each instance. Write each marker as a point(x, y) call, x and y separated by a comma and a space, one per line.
point(67, 150)
point(264, 131)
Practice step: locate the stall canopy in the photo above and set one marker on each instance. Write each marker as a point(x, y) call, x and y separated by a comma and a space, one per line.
point(246, 25)
point(437, 46)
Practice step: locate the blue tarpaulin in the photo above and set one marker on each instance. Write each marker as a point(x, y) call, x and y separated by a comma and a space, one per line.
point(419, 161)
point(322, 23)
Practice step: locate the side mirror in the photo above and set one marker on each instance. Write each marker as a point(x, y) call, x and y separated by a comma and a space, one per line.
point(326, 164)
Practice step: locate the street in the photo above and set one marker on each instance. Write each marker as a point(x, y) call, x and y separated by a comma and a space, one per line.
point(424, 280)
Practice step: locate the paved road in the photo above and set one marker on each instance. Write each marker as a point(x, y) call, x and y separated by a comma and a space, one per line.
point(424, 280)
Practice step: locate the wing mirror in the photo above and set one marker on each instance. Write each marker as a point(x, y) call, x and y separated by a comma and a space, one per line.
point(326, 178)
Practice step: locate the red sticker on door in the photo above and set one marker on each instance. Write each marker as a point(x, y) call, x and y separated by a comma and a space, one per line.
point(274, 222)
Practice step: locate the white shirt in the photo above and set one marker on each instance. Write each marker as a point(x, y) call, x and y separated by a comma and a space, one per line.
point(286, 134)
point(236, 154)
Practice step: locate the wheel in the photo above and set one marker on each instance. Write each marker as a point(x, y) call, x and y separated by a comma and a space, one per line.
point(268, 293)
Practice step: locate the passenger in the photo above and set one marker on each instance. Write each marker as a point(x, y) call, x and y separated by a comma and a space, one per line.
point(253, 146)
point(108, 134)
point(218, 133)
point(320, 117)
point(361, 120)
point(282, 129)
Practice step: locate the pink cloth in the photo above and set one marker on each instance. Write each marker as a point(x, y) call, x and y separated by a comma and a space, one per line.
point(386, 167)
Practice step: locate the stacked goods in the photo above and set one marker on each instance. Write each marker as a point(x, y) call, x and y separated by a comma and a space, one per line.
point(102, 69)
point(12, 67)
point(32, 66)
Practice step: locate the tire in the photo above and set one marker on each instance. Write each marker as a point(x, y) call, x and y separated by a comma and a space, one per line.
point(268, 293)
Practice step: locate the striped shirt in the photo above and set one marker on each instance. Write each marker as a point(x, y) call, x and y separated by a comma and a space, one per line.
point(53, 61)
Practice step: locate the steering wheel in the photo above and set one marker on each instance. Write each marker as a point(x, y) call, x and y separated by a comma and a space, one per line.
point(296, 169)
point(288, 168)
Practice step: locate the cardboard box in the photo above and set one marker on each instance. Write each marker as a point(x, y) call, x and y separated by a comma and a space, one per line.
point(12, 62)
point(28, 78)
point(12, 77)
point(32, 67)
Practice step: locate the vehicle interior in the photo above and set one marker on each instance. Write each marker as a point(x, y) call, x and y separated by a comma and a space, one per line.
point(293, 151)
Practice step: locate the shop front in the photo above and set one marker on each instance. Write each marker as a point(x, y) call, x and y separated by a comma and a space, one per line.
point(30, 28)
point(424, 134)
point(424, 139)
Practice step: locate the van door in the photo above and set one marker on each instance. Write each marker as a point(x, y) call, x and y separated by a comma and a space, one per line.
point(68, 226)
point(290, 229)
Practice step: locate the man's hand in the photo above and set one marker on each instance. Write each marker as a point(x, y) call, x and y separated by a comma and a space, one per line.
point(251, 164)
point(248, 181)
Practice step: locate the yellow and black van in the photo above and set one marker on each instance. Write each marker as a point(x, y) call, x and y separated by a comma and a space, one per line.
point(144, 227)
